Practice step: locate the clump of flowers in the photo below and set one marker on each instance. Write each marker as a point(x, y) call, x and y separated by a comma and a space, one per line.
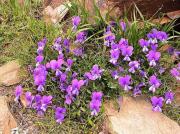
point(135, 68)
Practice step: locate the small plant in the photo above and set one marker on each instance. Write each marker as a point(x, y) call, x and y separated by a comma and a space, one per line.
point(137, 67)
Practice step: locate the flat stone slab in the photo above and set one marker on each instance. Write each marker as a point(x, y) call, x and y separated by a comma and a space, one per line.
point(9, 73)
point(7, 122)
point(136, 117)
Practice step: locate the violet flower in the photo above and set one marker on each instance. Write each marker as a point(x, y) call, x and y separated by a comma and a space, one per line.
point(95, 107)
point(76, 85)
point(169, 97)
point(97, 96)
point(143, 73)
point(127, 52)
point(134, 65)
point(154, 83)
point(56, 64)
point(29, 98)
point(157, 103)
point(45, 102)
point(175, 73)
point(115, 74)
point(109, 38)
point(39, 59)
point(137, 90)
point(67, 45)
point(69, 64)
point(57, 46)
point(18, 93)
point(40, 75)
point(80, 37)
point(125, 82)
point(95, 103)
point(78, 51)
point(114, 56)
point(60, 114)
point(123, 42)
point(94, 73)
point(76, 21)
point(153, 57)
point(123, 25)
point(162, 36)
point(144, 44)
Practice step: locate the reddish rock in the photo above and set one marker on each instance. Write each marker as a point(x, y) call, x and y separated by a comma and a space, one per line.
point(55, 15)
point(9, 73)
point(7, 121)
point(136, 117)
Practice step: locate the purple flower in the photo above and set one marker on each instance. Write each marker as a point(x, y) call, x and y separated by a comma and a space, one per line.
point(68, 99)
point(40, 75)
point(56, 64)
point(154, 83)
point(37, 104)
point(143, 73)
point(114, 56)
point(175, 73)
point(115, 74)
point(95, 73)
point(29, 98)
point(152, 36)
point(153, 57)
point(123, 42)
point(78, 51)
point(127, 52)
point(67, 45)
point(161, 70)
point(80, 37)
point(39, 58)
point(170, 50)
point(42, 43)
point(97, 96)
point(134, 65)
point(124, 82)
point(95, 107)
point(45, 101)
point(109, 38)
point(144, 44)
point(123, 25)
point(57, 46)
point(76, 21)
point(162, 36)
point(60, 114)
point(154, 47)
point(76, 85)
point(69, 64)
point(95, 103)
point(18, 92)
point(63, 77)
point(169, 97)
point(157, 103)
point(137, 90)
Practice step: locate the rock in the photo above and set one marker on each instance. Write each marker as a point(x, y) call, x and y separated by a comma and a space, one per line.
point(105, 7)
point(7, 121)
point(55, 15)
point(53, 3)
point(9, 73)
point(136, 117)
point(23, 100)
